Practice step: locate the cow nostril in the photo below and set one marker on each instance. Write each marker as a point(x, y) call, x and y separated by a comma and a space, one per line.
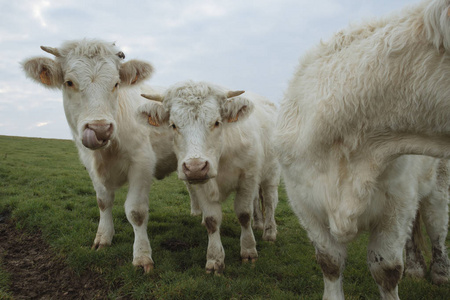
point(206, 166)
point(185, 168)
point(102, 131)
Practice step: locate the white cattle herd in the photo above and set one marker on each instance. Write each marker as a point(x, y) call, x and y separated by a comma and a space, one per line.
point(361, 140)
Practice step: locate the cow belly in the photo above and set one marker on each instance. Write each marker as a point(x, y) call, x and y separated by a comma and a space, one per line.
point(393, 204)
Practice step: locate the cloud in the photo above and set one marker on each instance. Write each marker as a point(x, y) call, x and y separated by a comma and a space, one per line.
point(37, 11)
point(241, 44)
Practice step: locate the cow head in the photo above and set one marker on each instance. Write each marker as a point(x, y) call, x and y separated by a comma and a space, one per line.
point(90, 74)
point(198, 114)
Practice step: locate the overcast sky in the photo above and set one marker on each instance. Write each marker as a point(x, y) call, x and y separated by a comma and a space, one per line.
point(249, 45)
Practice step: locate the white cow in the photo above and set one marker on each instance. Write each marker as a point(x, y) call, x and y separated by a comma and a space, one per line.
point(100, 96)
point(355, 105)
point(223, 143)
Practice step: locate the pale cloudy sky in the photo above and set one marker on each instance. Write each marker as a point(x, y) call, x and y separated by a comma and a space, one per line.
point(250, 45)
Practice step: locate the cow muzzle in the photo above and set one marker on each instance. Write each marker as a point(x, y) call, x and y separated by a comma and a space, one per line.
point(196, 170)
point(97, 135)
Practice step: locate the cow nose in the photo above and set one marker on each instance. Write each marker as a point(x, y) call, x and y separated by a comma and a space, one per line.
point(96, 135)
point(196, 169)
point(102, 131)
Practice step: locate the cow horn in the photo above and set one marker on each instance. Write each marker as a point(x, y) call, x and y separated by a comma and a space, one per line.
point(51, 50)
point(121, 55)
point(232, 94)
point(154, 97)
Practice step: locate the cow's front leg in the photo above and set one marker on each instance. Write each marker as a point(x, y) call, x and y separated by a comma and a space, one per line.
point(215, 255)
point(243, 207)
point(136, 209)
point(105, 231)
point(207, 195)
point(384, 257)
point(330, 256)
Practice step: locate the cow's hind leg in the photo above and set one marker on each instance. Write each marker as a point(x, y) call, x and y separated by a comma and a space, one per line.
point(434, 211)
point(415, 265)
point(258, 212)
point(105, 231)
point(243, 207)
point(270, 198)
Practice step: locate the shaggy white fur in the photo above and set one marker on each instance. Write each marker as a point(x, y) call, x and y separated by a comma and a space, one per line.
point(356, 104)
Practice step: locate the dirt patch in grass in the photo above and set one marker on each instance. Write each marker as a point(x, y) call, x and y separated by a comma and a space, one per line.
point(35, 272)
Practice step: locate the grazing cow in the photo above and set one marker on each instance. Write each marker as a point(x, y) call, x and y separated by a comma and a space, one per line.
point(355, 106)
point(223, 143)
point(101, 95)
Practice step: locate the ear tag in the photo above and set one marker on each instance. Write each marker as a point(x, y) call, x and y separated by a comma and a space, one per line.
point(135, 79)
point(152, 122)
point(232, 120)
point(45, 78)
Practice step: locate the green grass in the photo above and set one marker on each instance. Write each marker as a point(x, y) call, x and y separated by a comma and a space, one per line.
point(46, 188)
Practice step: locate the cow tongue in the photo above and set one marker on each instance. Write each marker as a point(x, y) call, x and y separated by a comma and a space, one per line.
point(90, 139)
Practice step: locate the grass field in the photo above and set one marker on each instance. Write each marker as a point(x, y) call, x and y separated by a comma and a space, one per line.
point(45, 188)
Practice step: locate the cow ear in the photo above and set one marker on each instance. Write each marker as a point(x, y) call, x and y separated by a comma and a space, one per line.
point(135, 71)
point(236, 109)
point(44, 71)
point(153, 113)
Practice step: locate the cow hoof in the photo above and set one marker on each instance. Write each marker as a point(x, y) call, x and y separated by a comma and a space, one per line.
point(215, 272)
point(215, 267)
point(440, 271)
point(145, 262)
point(270, 235)
point(251, 259)
point(98, 246)
point(415, 272)
point(258, 225)
point(439, 277)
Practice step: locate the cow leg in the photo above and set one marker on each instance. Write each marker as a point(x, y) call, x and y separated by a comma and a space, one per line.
point(258, 214)
point(243, 207)
point(384, 256)
point(434, 211)
point(136, 209)
point(215, 255)
point(105, 231)
point(207, 195)
point(330, 256)
point(195, 207)
point(270, 198)
point(415, 265)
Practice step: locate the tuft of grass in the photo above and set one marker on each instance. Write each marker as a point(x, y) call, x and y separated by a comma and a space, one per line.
point(45, 188)
point(4, 283)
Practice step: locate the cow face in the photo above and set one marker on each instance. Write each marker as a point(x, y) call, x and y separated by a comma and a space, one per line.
point(198, 114)
point(89, 73)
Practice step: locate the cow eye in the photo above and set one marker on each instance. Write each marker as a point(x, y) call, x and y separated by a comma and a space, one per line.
point(115, 86)
point(173, 126)
point(69, 83)
point(217, 124)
